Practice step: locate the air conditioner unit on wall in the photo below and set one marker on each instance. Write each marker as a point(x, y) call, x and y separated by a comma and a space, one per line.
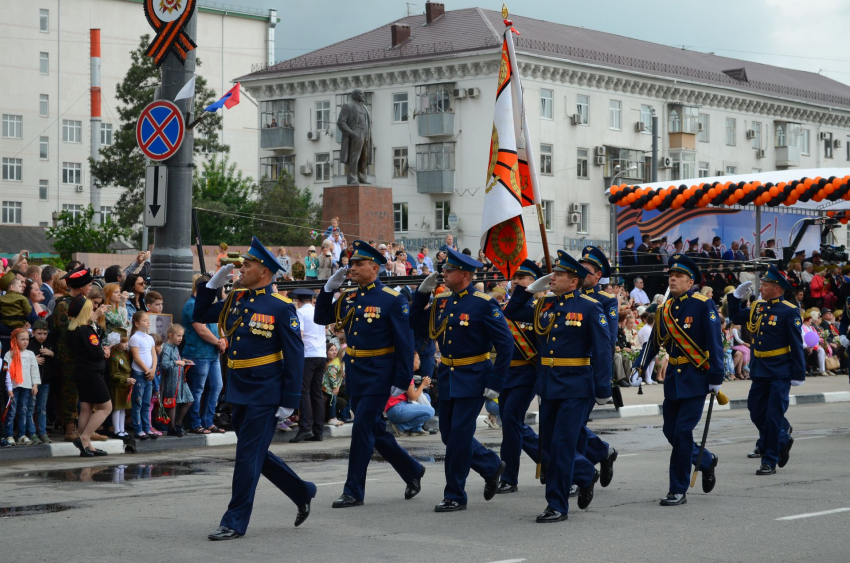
point(720, 173)
point(700, 127)
point(751, 134)
point(824, 135)
point(640, 127)
point(665, 162)
point(473, 92)
point(459, 93)
point(836, 143)
point(575, 118)
point(575, 208)
point(600, 151)
point(599, 160)
point(79, 188)
point(574, 218)
point(760, 153)
point(313, 135)
point(306, 169)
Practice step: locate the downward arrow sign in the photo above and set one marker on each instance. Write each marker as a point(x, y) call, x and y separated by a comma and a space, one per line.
point(155, 208)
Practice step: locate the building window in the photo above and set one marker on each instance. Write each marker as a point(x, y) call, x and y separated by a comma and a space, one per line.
point(685, 119)
point(323, 115)
point(72, 131)
point(646, 118)
point(442, 209)
point(44, 148)
point(400, 162)
point(13, 169)
point(435, 156)
point(12, 212)
point(702, 172)
point(106, 134)
point(684, 165)
point(75, 210)
point(615, 111)
point(106, 214)
point(276, 113)
point(805, 140)
point(756, 170)
point(581, 164)
point(702, 127)
point(42, 189)
point(400, 217)
point(675, 124)
point(400, 113)
point(323, 167)
point(72, 173)
point(547, 103)
point(546, 159)
point(827, 145)
point(44, 63)
point(757, 133)
point(631, 163)
point(44, 21)
point(548, 207)
point(731, 131)
point(273, 167)
point(43, 105)
point(583, 109)
point(435, 98)
point(585, 218)
point(730, 170)
point(13, 126)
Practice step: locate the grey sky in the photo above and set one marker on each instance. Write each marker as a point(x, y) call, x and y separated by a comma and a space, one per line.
point(789, 33)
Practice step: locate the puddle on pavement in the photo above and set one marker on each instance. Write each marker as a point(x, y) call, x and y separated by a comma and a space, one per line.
point(117, 474)
point(609, 431)
point(12, 511)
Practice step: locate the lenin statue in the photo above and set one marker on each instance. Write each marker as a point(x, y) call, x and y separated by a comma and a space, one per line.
point(356, 126)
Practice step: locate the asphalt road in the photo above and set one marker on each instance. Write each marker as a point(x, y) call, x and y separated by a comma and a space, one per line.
point(161, 507)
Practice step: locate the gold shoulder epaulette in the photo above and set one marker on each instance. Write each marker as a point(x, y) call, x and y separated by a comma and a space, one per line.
point(482, 295)
point(391, 291)
point(282, 298)
point(606, 294)
point(699, 297)
point(789, 304)
point(444, 294)
point(589, 298)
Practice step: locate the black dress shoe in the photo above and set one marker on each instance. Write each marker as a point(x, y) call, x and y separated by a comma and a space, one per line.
point(79, 443)
point(505, 488)
point(447, 505)
point(96, 452)
point(585, 496)
point(673, 499)
point(85, 452)
point(346, 501)
point(313, 438)
point(785, 453)
point(414, 487)
point(224, 533)
point(755, 454)
point(301, 436)
point(708, 478)
point(606, 469)
point(491, 484)
point(765, 469)
point(550, 515)
point(303, 514)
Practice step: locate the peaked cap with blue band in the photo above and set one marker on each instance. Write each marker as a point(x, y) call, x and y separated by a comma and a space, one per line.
point(459, 261)
point(683, 263)
point(595, 256)
point(529, 268)
point(773, 275)
point(566, 263)
point(261, 254)
point(365, 251)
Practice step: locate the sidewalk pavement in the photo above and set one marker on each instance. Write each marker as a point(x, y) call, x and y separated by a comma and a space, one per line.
point(814, 390)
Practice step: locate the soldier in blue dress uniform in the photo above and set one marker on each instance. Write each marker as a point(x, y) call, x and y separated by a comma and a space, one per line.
point(573, 336)
point(518, 390)
point(265, 357)
point(467, 324)
point(590, 445)
point(777, 363)
point(378, 363)
point(688, 327)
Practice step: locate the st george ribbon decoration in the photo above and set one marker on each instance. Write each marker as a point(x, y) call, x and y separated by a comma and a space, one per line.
point(168, 18)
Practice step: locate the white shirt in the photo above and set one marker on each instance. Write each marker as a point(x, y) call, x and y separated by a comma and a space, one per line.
point(639, 296)
point(643, 334)
point(29, 371)
point(144, 342)
point(312, 334)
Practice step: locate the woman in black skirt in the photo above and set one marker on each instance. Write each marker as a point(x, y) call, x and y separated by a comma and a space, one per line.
point(90, 360)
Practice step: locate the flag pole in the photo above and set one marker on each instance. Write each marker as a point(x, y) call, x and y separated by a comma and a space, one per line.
point(522, 126)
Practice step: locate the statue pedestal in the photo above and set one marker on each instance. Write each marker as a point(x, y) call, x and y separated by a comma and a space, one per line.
point(365, 212)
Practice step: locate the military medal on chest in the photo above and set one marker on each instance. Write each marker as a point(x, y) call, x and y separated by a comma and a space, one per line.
point(262, 325)
point(372, 313)
point(772, 320)
point(464, 319)
point(688, 322)
point(574, 319)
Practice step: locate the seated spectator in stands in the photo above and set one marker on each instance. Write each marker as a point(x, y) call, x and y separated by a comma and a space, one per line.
point(807, 273)
point(402, 268)
point(708, 291)
point(741, 343)
point(815, 355)
point(405, 411)
point(638, 294)
point(387, 269)
point(817, 288)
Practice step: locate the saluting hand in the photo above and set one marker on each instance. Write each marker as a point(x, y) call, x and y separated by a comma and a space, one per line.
point(335, 281)
point(539, 285)
point(428, 284)
point(220, 277)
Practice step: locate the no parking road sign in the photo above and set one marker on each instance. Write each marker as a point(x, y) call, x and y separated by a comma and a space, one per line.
point(160, 130)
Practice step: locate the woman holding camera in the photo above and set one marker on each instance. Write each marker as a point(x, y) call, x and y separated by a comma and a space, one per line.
point(311, 264)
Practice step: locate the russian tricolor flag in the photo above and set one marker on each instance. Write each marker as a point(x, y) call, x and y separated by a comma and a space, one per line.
point(230, 99)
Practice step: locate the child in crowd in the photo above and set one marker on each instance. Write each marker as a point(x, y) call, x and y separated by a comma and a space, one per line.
point(46, 359)
point(153, 301)
point(143, 370)
point(176, 395)
point(116, 315)
point(15, 309)
point(157, 426)
point(331, 382)
point(120, 381)
point(22, 381)
point(343, 261)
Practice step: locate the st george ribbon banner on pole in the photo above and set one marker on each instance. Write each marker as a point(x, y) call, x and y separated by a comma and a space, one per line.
point(168, 18)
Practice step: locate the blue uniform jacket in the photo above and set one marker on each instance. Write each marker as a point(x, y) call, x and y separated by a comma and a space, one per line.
point(375, 317)
point(266, 328)
point(777, 349)
point(484, 330)
point(524, 375)
point(567, 339)
point(698, 319)
point(611, 307)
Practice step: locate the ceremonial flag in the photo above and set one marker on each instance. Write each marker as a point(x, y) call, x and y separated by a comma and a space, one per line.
point(230, 99)
point(506, 192)
point(187, 91)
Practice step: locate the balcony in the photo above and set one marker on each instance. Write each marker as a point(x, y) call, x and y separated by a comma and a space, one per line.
point(787, 157)
point(436, 124)
point(435, 181)
point(277, 138)
point(683, 140)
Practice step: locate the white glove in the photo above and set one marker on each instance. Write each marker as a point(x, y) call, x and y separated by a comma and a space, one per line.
point(220, 277)
point(335, 280)
point(602, 401)
point(539, 285)
point(490, 394)
point(843, 341)
point(635, 379)
point(428, 284)
point(715, 388)
point(283, 413)
point(396, 391)
point(743, 291)
point(796, 383)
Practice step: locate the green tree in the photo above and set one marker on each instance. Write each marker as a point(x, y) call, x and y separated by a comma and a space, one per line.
point(220, 188)
point(123, 164)
point(285, 215)
point(82, 234)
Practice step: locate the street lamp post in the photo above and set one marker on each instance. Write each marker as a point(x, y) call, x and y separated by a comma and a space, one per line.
point(613, 213)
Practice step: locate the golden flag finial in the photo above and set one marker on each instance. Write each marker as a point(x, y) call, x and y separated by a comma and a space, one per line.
point(504, 11)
